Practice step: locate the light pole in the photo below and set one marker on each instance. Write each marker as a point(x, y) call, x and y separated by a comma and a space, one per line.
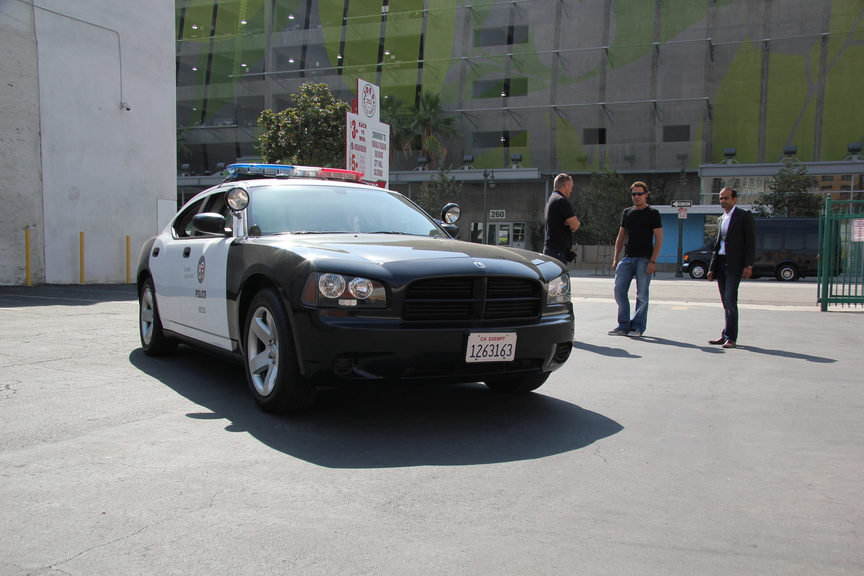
point(488, 178)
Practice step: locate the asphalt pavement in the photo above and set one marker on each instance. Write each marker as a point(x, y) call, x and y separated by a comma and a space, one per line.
point(656, 455)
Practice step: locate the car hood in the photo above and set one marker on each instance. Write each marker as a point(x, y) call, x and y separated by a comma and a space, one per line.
point(402, 254)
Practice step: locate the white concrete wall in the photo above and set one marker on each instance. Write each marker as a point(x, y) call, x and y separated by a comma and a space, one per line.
point(103, 168)
point(20, 163)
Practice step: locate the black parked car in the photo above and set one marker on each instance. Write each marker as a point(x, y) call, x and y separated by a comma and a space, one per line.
point(310, 278)
point(786, 248)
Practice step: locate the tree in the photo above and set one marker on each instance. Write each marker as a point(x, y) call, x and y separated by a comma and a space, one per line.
point(791, 194)
point(600, 206)
point(428, 124)
point(438, 191)
point(662, 188)
point(398, 117)
point(311, 134)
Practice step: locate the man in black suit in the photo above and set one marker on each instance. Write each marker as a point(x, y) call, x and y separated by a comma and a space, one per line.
point(734, 251)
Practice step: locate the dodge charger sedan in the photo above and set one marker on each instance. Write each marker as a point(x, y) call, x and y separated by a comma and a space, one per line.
point(310, 278)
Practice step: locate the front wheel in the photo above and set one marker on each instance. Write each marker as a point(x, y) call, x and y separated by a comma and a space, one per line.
point(787, 272)
point(153, 339)
point(518, 384)
point(698, 270)
point(272, 368)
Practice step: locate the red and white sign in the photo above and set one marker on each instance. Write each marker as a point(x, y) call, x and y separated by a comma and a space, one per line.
point(858, 230)
point(367, 142)
point(682, 213)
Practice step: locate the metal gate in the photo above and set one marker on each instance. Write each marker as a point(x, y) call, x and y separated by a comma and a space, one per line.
point(841, 262)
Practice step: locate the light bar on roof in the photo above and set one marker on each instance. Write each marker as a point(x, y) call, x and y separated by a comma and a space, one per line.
point(282, 170)
point(261, 169)
point(337, 174)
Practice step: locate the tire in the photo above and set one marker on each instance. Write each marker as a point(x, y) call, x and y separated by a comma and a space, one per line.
point(520, 384)
point(270, 357)
point(153, 339)
point(698, 270)
point(787, 273)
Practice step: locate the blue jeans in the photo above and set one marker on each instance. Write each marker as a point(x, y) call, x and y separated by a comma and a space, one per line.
point(627, 269)
point(728, 285)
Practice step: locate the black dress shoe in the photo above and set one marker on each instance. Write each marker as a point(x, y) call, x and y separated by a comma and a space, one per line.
point(718, 341)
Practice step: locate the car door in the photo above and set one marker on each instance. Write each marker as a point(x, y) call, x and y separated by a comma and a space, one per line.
point(171, 272)
point(203, 300)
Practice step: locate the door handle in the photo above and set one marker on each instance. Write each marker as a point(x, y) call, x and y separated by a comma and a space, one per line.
point(186, 252)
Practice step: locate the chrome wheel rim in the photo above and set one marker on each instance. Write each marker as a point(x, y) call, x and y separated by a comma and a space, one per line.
point(147, 316)
point(262, 351)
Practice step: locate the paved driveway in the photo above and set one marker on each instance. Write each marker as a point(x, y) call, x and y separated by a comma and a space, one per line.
point(660, 455)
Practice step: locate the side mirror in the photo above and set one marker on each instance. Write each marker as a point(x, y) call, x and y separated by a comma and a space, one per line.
point(210, 223)
point(451, 229)
point(450, 213)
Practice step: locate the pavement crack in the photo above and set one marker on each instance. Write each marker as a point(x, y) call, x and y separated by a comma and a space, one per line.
point(597, 453)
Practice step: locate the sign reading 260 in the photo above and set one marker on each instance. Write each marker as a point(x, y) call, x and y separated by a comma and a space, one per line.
point(497, 214)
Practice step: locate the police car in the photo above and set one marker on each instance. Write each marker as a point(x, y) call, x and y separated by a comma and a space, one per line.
point(309, 277)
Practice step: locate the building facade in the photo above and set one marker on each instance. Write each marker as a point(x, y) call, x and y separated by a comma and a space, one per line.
point(87, 138)
point(651, 88)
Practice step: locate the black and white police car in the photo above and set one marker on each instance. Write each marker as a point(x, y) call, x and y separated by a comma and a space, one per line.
point(309, 277)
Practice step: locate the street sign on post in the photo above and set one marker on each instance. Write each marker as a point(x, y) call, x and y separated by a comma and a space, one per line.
point(682, 206)
point(367, 142)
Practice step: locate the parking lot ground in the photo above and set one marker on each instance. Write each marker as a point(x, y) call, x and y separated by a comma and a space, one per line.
point(657, 455)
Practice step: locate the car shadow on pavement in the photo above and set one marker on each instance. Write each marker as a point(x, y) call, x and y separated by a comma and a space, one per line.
point(447, 425)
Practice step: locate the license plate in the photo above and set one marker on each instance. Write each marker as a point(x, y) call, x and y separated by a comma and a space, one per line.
point(491, 347)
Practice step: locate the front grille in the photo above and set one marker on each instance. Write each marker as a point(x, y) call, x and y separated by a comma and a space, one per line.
point(466, 298)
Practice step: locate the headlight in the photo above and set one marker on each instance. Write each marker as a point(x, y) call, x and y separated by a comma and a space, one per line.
point(360, 288)
point(337, 291)
point(559, 290)
point(331, 285)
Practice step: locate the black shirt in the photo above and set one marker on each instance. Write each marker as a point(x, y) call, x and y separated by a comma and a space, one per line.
point(558, 211)
point(640, 226)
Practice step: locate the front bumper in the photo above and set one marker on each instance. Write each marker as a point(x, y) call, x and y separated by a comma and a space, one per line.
point(366, 349)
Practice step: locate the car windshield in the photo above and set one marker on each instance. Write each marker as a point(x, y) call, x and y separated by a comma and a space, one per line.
point(334, 209)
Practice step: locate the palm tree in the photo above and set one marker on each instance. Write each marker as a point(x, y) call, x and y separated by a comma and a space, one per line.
point(394, 113)
point(430, 126)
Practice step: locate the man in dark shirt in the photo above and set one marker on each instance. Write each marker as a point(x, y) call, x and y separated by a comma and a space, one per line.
point(640, 236)
point(561, 221)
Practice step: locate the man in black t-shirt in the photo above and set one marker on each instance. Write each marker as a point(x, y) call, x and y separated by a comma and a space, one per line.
point(640, 236)
point(561, 220)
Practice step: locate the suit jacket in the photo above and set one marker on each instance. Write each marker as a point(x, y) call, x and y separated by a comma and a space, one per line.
point(740, 243)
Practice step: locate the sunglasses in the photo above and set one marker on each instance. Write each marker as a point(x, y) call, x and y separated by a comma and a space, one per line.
point(637, 193)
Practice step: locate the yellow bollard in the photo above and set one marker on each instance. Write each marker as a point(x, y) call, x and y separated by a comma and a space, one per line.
point(27, 276)
point(81, 250)
point(128, 261)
